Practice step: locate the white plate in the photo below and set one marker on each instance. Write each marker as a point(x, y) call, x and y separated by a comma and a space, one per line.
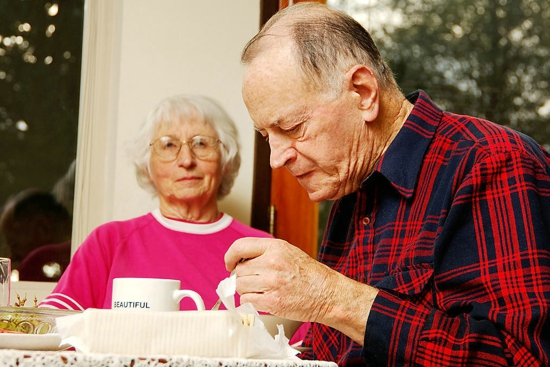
point(31, 341)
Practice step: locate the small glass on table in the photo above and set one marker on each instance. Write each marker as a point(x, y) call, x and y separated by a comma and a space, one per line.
point(5, 281)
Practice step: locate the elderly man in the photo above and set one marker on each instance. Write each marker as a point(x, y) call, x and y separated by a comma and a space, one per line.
point(437, 250)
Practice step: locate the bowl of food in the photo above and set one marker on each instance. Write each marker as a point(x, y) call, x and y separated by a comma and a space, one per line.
point(30, 320)
point(271, 322)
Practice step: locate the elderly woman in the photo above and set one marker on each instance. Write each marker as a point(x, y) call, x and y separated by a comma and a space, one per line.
point(187, 153)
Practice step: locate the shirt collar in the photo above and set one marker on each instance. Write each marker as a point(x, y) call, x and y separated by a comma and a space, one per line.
point(195, 228)
point(402, 161)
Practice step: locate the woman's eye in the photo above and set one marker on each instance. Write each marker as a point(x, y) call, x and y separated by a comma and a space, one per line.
point(202, 142)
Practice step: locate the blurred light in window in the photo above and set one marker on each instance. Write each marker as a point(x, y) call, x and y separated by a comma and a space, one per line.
point(544, 111)
point(21, 125)
point(52, 270)
point(50, 30)
point(24, 27)
point(30, 58)
point(52, 9)
point(14, 277)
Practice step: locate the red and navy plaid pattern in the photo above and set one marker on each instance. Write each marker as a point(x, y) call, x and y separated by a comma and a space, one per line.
point(453, 227)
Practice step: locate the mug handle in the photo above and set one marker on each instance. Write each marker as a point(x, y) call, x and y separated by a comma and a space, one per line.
point(182, 293)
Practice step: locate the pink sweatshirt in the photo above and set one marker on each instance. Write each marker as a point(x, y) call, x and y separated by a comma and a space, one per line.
point(149, 246)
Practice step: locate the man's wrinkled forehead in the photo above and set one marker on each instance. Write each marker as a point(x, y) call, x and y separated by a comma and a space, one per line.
point(271, 65)
point(272, 42)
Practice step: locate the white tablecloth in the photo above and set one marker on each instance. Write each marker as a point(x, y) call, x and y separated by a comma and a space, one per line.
point(22, 358)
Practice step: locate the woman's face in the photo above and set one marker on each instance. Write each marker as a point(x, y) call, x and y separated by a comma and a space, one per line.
point(186, 180)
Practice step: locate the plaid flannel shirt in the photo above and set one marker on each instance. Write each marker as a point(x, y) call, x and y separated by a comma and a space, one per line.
point(453, 228)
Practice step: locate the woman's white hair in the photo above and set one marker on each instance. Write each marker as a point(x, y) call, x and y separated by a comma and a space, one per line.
point(188, 107)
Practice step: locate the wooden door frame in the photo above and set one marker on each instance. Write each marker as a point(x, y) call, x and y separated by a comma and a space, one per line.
point(261, 182)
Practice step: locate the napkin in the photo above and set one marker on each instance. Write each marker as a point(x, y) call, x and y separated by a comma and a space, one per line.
point(260, 342)
point(237, 332)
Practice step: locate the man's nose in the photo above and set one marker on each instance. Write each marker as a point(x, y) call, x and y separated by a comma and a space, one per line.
point(282, 152)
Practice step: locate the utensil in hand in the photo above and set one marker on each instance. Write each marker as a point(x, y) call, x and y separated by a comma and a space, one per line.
point(217, 304)
point(219, 301)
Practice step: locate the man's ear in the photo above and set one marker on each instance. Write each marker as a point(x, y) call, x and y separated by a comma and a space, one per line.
point(363, 82)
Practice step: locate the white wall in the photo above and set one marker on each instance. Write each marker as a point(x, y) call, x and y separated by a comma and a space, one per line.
point(136, 53)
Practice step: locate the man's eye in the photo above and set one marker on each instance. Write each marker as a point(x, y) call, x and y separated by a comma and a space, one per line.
point(294, 131)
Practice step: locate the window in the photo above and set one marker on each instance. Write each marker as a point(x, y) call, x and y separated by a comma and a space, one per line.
point(40, 64)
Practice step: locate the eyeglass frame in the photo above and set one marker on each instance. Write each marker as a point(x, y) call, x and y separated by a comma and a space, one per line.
point(218, 141)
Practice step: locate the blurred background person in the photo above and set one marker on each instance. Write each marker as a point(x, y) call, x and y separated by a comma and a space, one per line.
point(37, 230)
point(186, 154)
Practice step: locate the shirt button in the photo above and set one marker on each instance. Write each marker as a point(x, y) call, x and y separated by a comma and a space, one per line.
point(366, 221)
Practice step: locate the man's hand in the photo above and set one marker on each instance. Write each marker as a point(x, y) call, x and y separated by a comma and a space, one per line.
point(279, 278)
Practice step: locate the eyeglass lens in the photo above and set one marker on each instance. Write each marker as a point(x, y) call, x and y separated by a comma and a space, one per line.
point(201, 146)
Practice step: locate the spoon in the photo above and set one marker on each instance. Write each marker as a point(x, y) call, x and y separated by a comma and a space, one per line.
point(217, 304)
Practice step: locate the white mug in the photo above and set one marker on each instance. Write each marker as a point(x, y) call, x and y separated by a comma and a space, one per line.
point(151, 294)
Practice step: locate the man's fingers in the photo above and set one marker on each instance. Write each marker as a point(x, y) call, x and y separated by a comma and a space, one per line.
point(244, 249)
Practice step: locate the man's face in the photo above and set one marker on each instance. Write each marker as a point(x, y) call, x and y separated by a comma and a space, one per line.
point(315, 138)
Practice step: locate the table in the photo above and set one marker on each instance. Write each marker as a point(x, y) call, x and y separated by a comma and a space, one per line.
point(23, 358)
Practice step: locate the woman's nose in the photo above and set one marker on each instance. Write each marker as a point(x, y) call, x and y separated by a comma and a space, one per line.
point(186, 156)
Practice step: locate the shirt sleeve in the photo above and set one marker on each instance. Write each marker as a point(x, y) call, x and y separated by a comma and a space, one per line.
point(83, 284)
point(487, 303)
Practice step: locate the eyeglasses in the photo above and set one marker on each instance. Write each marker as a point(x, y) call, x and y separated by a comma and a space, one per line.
point(168, 147)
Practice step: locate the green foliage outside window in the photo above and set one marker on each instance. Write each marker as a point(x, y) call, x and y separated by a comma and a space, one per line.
point(486, 58)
